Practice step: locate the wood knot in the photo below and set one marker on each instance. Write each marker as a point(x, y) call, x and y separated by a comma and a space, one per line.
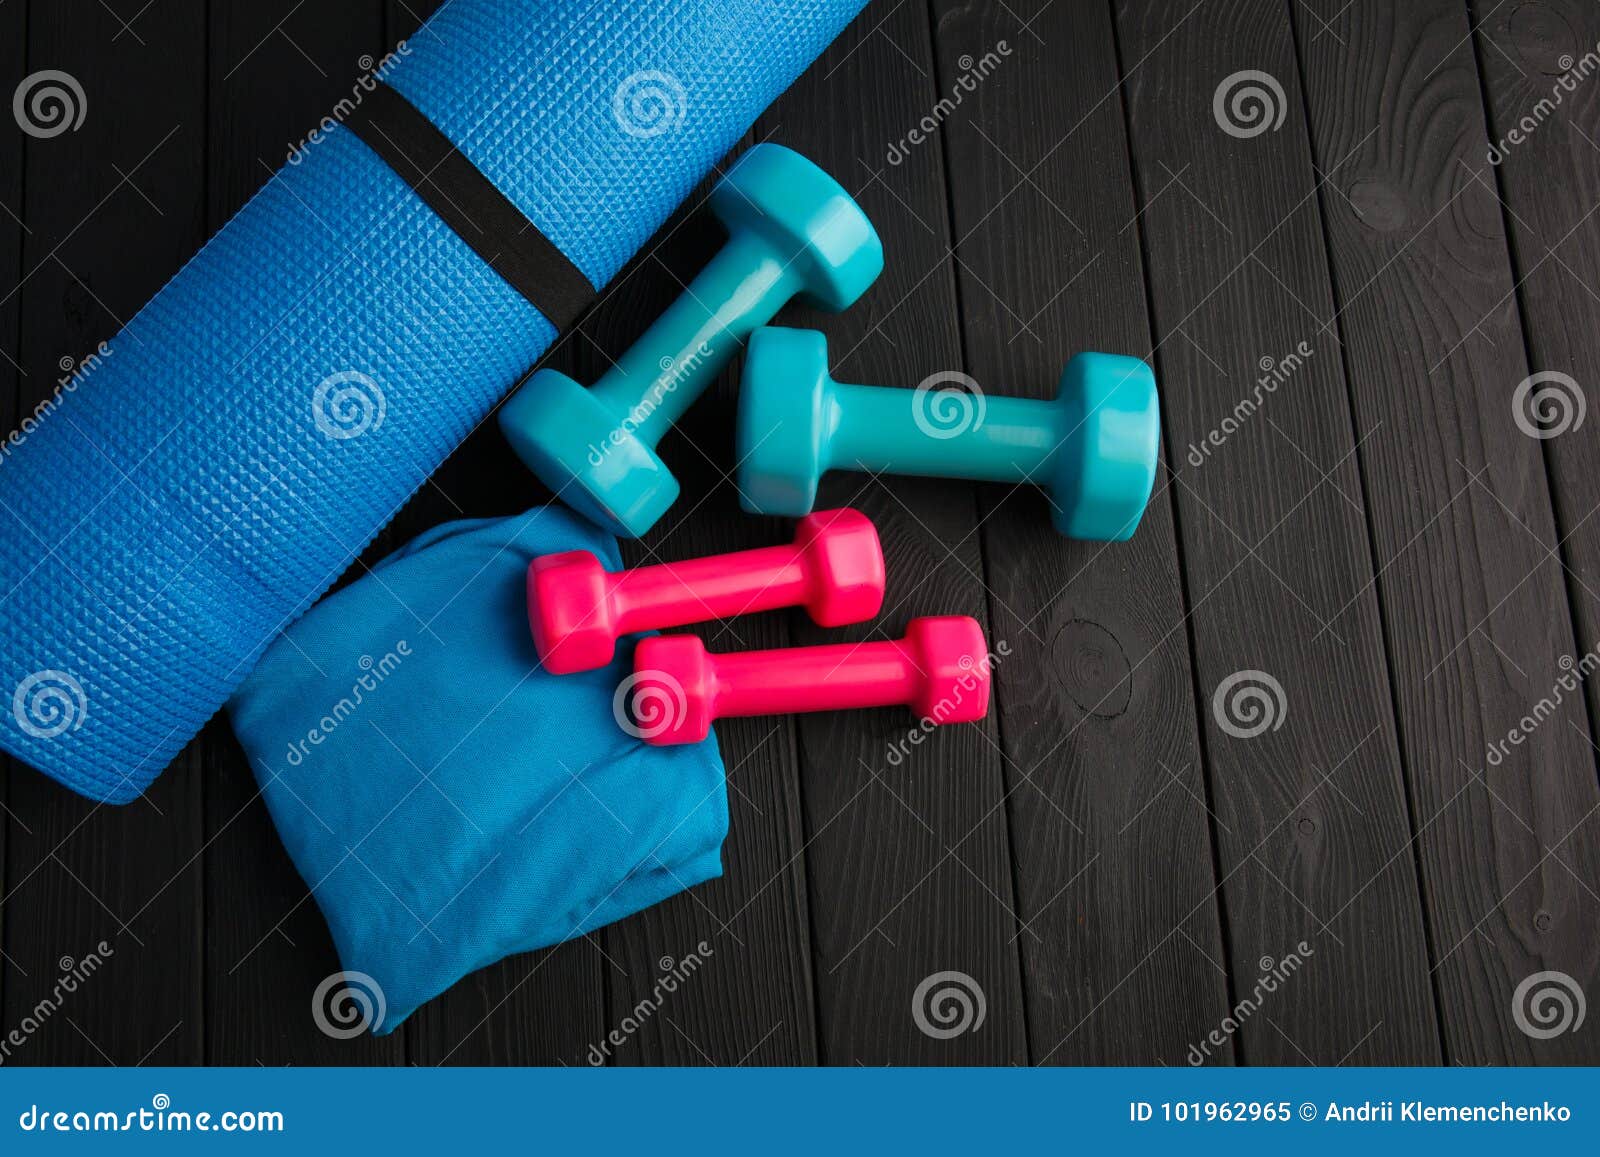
point(1543, 38)
point(1092, 667)
point(1379, 205)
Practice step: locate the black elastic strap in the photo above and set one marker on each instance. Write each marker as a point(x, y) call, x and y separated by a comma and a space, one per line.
point(479, 213)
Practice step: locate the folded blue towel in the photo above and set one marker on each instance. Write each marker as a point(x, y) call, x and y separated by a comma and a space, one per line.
point(256, 423)
point(447, 801)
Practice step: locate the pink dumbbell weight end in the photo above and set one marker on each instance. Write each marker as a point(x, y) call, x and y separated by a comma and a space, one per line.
point(577, 609)
point(940, 670)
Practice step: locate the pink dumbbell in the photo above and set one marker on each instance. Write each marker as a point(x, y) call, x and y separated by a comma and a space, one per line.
point(940, 670)
point(577, 609)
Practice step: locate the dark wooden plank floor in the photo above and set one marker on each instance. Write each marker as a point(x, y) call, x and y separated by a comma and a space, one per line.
point(1373, 541)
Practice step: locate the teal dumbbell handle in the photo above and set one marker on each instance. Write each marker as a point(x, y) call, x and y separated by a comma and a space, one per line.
point(875, 428)
point(683, 351)
point(1093, 449)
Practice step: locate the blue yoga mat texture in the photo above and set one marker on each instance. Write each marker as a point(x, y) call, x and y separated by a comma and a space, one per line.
point(259, 421)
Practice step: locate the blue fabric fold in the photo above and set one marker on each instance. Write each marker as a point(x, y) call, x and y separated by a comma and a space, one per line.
point(447, 801)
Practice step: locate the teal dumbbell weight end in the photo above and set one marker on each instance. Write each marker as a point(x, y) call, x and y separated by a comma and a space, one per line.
point(1093, 448)
point(792, 232)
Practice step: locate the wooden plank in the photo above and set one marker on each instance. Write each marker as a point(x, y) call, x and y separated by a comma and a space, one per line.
point(1104, 779)
point(13, 44)
point(1313, 830)
point(908, 863)
point(113, 209)
point(275, 68)
point(1550, 186)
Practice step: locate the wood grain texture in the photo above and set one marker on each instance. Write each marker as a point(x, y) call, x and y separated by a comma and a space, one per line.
point(1122, 953)
point(1550, 188)
point(113, 209)
point(908, 864)
point(1470, 579)
point(1538, 67)
point(275, 69)
point(1314, 835)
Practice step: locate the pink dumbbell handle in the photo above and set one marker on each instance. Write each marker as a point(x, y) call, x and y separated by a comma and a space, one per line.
point(823, 678)
point(676, 594)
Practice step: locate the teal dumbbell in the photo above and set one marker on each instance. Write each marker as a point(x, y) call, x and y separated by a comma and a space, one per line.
point(792, 232)
point(1093, 448)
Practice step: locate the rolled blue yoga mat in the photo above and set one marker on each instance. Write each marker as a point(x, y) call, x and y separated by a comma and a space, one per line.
point(258, 422)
